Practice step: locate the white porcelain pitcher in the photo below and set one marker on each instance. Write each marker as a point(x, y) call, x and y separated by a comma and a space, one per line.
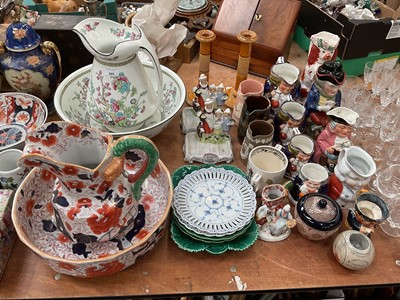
point(120, 95)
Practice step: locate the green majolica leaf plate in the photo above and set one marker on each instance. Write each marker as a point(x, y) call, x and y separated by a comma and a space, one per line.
point(187, 243)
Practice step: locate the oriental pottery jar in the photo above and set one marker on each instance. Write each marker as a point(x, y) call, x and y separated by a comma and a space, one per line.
point(28, 64)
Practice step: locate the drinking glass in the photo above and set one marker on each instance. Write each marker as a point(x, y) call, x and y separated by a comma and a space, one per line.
point(377, 83)
point(368, 73)
point(388, 181)
point(391, 226)
point(387, 95)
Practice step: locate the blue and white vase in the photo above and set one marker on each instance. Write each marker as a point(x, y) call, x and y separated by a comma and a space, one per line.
point(28, 64)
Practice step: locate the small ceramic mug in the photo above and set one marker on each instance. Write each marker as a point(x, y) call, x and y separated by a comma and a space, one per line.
point(274, 196)
point(10, 174)
point(259, 132)
point(266, 165)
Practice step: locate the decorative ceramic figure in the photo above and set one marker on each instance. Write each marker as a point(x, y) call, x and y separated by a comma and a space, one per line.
point(222, 96)
point(29, 65)
point(120, 95)
point(312, 178)
point(227, 122)
point(323, 47)
point(202, 87)
point(273, 216)
point(369, 210)
point(288, 76)
point(353, 250)
point(335, 137)
point(98, 183)
point(288, 122)
point(352, 172)
point(299, 150)
point(323, 96)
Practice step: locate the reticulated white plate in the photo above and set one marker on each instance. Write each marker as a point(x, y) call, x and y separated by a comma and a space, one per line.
point(214, 202)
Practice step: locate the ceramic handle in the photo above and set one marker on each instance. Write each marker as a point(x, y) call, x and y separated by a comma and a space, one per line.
point(145, 46)
point(47, 46)
point(131, 142)
point(255, 179)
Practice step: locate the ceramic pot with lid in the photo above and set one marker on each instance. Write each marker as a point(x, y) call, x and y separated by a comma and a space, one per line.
point(317, 216)
point(28, 64)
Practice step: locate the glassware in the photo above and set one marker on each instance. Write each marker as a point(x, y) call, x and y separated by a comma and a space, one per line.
point(377, 83)
point(368, 73)
point(391, 226)
point(388, 181)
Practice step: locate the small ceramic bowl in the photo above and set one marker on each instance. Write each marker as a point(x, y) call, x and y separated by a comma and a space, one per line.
point(317, 216)
point(70, 101)
point(19, 114)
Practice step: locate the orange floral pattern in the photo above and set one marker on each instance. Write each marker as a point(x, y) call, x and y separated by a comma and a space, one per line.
point(108, 218)
point(70, 170)
point(73, 130)
point(105, 268)
point(29, 207)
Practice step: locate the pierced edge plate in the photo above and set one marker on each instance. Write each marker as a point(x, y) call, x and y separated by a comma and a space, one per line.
point(241, 190)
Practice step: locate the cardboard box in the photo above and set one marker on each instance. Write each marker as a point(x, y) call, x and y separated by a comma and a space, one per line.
point(7, 231)
point(360, 40)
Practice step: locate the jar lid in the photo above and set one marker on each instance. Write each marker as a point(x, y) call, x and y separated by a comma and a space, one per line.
point(21, 37)
point(319, 211)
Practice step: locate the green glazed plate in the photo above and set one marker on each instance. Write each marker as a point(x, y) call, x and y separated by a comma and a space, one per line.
point(187, 243)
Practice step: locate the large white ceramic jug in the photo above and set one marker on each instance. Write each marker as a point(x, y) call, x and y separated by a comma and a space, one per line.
point(120, 95)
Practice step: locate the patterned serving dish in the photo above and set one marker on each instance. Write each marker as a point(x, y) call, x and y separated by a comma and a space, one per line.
point(19, 113)
point(32, 216)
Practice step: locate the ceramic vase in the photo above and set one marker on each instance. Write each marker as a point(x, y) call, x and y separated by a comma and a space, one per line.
point(28, 64)
point(353, 250)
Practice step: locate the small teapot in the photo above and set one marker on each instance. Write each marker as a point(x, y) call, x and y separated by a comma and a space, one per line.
point(28, 64)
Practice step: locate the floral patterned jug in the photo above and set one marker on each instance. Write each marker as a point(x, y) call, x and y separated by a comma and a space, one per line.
point(97, 181)
point(120, 95)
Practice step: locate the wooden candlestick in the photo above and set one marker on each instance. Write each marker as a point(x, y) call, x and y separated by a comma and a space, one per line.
point(246, 38)
point(205, 37)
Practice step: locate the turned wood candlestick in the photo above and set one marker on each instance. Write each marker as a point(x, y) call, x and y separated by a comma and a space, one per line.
point(246, 38)
point(205, 37)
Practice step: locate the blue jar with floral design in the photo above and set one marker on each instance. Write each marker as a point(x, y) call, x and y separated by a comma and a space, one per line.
point(28, 64)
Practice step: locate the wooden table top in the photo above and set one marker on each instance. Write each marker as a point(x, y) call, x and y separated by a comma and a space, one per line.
point(290, 265)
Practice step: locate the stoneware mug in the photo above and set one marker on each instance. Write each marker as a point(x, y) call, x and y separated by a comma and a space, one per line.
point(266, 165)
point(10, 174)
point(259, 132)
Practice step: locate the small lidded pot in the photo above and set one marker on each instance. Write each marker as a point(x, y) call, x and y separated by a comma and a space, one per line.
point(317, 216)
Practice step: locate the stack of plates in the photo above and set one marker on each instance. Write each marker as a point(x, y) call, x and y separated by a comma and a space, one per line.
point(213, 209)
